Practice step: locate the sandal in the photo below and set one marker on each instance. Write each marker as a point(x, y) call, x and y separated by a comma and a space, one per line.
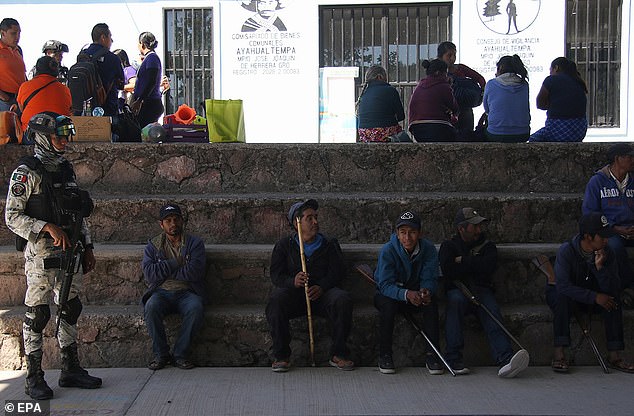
point(621, 365)
point(559, 365)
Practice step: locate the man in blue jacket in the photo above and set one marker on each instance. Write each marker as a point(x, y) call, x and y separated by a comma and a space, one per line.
point(407, 279)
point(611, 192)
point(587, 280)
point(174, 269)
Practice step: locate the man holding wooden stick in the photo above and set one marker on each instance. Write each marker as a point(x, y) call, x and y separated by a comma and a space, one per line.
point(317, 286)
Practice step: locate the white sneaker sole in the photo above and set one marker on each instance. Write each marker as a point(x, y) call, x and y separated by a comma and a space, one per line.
point(387, 370)
point(518, 363)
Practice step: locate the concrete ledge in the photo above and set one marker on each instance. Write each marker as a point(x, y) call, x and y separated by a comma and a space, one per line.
point(137, 168)
point(240, 274)
point(353, 217)
point(239, 336)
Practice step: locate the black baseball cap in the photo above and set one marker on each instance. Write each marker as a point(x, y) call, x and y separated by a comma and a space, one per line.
point(298, 207)
point(595, 224)
point(170, 209)
point(54, 45)
point(409, 218)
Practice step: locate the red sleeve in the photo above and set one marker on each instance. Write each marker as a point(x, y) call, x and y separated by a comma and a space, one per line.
point(465, 71)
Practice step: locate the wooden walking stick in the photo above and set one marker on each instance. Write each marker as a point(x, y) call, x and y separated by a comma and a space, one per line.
point(309, 312)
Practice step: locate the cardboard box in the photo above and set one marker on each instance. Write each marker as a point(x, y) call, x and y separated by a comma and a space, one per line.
point(92, 129)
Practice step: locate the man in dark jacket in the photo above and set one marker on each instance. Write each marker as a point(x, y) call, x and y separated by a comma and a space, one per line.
point(587, 281)
point(472, 259)
point(174, 269)
point(324, 271)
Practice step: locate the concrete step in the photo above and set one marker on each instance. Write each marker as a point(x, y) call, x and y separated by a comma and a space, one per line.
point(239, 336)
point(298, 168)
point(353, 217)
point(240, 274)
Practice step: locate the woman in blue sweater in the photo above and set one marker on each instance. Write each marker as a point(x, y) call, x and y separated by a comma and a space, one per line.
point(379, 108)
point(506, 102)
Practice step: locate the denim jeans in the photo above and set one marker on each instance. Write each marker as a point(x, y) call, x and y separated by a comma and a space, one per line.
point(284, 304)
point(388, 308)
point(164, 302)
point(618, 244)
point(457, 307)
point(564, 308)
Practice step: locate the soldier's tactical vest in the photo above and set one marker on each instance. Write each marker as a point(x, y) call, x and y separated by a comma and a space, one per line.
point(58, 203)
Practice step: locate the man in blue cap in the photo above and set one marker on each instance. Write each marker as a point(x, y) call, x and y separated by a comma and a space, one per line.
point(174, 269)
point(324, 270)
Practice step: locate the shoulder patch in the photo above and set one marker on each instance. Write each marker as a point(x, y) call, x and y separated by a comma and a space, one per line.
point(19, 176)
point(18, 189)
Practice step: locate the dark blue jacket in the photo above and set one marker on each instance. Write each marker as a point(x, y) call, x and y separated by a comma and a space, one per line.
point(157, 268)
point(396, 273)
point(379, 106)
point(579, 279)
point(325, 267)
point(111, 73)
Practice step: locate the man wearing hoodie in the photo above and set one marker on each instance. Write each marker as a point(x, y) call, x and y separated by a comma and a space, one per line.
point(468, 257)
point(610, 192)
point(407, 278)
point(506, 102)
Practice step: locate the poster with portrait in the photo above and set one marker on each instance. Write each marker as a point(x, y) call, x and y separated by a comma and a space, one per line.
point(269, 60)
point(532, 29)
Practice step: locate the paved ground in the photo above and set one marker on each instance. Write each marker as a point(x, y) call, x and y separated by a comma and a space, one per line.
point(327, 391)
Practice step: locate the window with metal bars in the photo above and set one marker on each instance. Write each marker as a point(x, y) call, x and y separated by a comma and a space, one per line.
point(188, 58)
point(593, 41)
point(398, 37)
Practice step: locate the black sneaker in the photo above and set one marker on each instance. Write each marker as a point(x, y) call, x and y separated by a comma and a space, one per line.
point(459, 368)
point(386, 364)
point(159, 363)
point(434, 365)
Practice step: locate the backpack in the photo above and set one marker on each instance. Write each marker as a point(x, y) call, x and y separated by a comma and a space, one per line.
point(467, 91)
point(85, 82)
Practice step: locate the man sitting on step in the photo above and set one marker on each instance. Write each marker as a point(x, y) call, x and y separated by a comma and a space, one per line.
point(587, 281)
point(174, 269)
point(324, 270)
point(406, 279)
point(469, 258)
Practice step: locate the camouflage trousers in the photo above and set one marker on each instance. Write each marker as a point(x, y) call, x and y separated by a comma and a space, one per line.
point(41, 285)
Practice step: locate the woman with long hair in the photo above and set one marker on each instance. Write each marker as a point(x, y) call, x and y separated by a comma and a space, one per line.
point(564, 97)
point(147, 104)
point(433, 105)
point(506, 102)
point(379, 108)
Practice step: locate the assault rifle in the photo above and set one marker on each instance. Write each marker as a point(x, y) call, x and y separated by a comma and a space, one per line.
point(76, 207)
point(69, 265)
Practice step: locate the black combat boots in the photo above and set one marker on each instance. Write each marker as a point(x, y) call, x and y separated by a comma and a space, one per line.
point(35, 385)
point(72, 374)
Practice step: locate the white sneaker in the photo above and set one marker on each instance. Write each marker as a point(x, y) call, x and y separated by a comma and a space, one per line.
point(518, 363)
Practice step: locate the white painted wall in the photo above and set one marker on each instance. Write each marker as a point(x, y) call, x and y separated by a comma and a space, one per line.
point(286, 108)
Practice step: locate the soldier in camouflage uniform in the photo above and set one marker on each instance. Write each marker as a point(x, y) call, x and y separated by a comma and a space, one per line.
point(36, 210)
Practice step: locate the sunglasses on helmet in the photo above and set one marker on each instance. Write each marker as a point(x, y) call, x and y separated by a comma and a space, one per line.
point(66, 129)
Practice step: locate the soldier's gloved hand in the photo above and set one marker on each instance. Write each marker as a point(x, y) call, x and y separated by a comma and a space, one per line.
point(60, 239)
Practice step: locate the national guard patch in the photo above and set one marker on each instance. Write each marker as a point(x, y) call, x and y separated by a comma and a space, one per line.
point(18, 189)
point(19, 177)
